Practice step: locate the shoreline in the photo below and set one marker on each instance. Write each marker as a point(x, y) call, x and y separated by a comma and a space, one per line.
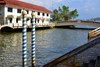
point(43, 28)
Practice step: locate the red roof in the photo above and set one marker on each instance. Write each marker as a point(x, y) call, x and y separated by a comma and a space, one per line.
point(25, 5)
point(2, 1)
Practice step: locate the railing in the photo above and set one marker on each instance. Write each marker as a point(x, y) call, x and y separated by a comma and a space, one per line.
point(17, 25)
point(94, 33)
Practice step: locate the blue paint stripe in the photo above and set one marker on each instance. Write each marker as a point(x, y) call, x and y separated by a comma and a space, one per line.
point(33, 26)
point(33, 54)
point(25, 29)
point(24, 39)
point(24, 32)
point(33, 57)
point(24, 54)
point(24, 35)
point(24, 43)
point(33, 47)
point(33, 37)
point(24, 20)
point(33, 23)
point(24, 26)
point(33, 60)
point(24, 16)
point(33, 20)
point(24, 50)
point(33, 31)
point(33, 50)
point(25, 57)
point(33, 34)
point(26, 62)
point(32, 42)
point(24, 47)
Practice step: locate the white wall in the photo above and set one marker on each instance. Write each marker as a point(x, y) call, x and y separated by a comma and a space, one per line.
point(15, 14)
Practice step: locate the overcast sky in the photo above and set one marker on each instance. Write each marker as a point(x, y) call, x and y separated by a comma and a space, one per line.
point(87, 9)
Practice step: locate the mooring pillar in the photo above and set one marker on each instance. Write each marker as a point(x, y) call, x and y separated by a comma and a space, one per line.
point(24, 39)
point(33, 39)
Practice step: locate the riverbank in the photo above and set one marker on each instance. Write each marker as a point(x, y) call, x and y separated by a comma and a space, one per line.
point(42, 28)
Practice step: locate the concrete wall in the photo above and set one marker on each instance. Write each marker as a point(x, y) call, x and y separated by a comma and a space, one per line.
point(78, 22)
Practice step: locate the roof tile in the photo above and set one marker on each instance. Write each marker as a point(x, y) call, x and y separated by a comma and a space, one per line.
point(25, 5)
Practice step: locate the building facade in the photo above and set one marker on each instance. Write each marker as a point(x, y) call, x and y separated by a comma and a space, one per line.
point(11, 13)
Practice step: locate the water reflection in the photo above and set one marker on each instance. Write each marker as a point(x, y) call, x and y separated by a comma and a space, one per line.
point(56, 42)
point(10, 49)
point(50, 44)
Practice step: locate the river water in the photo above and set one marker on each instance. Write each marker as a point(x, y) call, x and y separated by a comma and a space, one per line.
point(50, 44)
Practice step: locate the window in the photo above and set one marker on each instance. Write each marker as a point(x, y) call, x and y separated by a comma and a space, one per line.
point(17, 20)
point(33, 11)
point(38, 21)
point(38, 13)
point(27, 11)
point(42, 14)
point(10, 19)
point(10, 9)
point(47, 14)
point(18, 10)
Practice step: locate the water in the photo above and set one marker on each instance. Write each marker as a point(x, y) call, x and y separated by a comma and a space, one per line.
point(50, 44)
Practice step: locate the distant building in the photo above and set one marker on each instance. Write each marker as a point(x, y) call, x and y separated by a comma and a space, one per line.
point(11, 13)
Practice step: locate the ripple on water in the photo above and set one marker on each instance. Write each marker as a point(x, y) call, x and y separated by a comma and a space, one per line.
point(50, 44)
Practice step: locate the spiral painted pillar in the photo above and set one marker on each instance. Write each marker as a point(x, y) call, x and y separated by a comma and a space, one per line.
point(24, 37)
point(33, 40)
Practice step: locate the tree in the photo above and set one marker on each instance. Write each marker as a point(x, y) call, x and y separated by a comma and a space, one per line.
point(56, 15)
point(64, 13)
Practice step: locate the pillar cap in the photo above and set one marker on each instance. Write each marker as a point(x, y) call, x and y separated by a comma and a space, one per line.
point(33, 14)
point(24, 12)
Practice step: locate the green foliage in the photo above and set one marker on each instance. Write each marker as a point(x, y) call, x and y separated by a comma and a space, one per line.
point(64, 13)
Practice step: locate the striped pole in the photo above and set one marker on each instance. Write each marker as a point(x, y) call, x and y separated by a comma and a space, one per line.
point(33, 39)
point(24, 37)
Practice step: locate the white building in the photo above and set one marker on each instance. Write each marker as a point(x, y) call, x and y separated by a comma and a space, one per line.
point(11, 13)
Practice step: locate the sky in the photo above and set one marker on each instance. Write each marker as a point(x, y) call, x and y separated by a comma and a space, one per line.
point(87, 9)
